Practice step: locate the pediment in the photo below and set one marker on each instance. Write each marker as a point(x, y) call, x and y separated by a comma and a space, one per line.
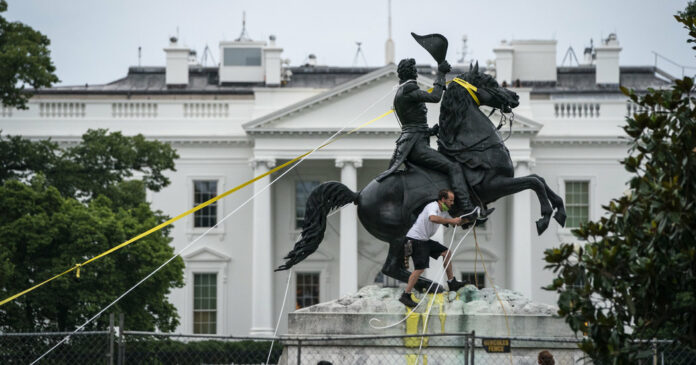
point(347, 105)
point(207, 254)
point(353, 103)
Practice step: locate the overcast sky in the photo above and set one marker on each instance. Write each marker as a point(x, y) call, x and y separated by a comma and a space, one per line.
point(95, 41)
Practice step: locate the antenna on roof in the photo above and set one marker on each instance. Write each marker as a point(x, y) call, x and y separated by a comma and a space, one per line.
point(389, 45)
point(359, 53)
point(140, 54)
point(464, 50)
point(206, 53)
point(244, 36)
point(570, 55)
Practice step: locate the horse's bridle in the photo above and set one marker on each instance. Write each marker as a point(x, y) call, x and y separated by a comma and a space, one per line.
point(470, 88)
point(472, 91)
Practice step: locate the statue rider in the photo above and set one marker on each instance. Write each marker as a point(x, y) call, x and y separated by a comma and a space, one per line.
point(414, 143)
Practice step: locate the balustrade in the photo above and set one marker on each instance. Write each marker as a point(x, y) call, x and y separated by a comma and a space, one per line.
point(581, 110)
point(206, 110)
point(61, 109)
point(6, 112)
point(134, 110)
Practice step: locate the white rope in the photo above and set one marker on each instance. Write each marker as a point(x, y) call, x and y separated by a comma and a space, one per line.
point(280, 315)
point(430, 306)
point(208, 230)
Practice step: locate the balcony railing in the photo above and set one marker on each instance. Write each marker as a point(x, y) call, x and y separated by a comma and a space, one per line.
point(576, 110)
point(62, 109)
point(581, 109)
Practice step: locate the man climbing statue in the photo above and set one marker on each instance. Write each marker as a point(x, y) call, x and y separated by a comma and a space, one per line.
point(421, 248)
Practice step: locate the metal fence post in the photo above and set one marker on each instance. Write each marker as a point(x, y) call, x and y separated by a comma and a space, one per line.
point(110, 355)
point(473, 346)
point(299, 351)
point(121, 340)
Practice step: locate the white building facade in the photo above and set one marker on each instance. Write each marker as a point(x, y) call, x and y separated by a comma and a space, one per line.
point(241, 119)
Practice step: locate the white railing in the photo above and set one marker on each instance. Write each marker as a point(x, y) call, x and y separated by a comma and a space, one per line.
point(206, 110)
point(576, 110)
point(6, 112)
point(633, 108)
point(61, 109)
point(134, 110)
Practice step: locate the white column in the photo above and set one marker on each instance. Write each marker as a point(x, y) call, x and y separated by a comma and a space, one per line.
point(520, 239)
point(348, 278)
point(261, 253)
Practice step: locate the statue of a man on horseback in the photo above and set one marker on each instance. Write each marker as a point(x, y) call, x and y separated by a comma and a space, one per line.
point(471, 146)
point(413, 146)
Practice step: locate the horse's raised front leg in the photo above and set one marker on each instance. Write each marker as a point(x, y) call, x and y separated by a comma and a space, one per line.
point(556, 202)
point(503, 186)
point(394, 267)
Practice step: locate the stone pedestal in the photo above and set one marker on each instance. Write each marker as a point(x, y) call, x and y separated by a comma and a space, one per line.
point(343, 325)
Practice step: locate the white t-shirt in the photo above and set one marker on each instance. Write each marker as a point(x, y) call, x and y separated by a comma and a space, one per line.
point(423, 229)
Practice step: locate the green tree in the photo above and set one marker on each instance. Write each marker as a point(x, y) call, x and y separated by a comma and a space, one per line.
point(635, 278)
point(24, 60)
point(61, 207)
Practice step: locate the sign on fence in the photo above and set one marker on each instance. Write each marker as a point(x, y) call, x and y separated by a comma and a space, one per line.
point(496, 345)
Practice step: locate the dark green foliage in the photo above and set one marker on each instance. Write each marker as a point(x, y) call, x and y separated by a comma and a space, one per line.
point(636, 277)
point(61, 207)
point(168, 351)
point(25, 61)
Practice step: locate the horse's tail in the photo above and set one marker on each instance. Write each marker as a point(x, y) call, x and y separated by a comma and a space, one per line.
point(324, 198)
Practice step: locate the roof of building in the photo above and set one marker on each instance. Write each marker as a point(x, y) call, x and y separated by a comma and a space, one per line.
point(204, 80)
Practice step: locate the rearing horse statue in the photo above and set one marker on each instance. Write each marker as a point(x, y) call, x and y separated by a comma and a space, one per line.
point(387, 209)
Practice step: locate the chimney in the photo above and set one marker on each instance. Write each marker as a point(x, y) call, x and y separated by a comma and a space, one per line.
point(311, 60)
point(534, 60)
point(607, 61)
point(177, 69)
point(503, 63)
point(272, 62)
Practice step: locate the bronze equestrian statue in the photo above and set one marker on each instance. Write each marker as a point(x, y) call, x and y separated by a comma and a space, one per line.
point(388, 206)
point(413, 146)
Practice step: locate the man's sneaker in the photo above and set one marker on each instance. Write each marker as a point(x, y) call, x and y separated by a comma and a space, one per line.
point(406, 300)
point(455, 285)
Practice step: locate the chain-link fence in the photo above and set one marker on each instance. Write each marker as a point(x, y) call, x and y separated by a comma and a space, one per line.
point(374, 350)
point(81, 348)
point(115, 347)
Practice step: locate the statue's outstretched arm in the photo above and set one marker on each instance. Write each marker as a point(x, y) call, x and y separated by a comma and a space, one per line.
point(438, 86)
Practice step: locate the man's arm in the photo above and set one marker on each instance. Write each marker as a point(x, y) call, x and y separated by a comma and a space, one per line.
point(438, 86)
point(440, 220)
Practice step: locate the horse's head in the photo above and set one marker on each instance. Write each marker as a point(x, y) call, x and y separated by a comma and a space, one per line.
point(488, 92)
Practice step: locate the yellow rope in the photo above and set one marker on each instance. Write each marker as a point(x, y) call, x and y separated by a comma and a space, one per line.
point(483, 263)
point(199, 207)
point(469, 87)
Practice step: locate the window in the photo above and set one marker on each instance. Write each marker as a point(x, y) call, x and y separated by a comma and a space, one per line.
point(577, 202)
point(204, 303)
point(204, 190)
point(302, 190)
point(478, 279)
point(242, 57)
point(307, 290)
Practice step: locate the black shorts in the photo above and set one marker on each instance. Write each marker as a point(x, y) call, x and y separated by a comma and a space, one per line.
point(423, 250)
